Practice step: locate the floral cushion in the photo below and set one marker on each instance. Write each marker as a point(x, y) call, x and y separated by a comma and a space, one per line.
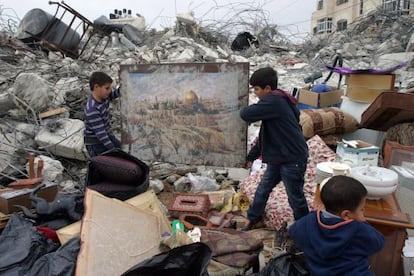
point(277, 209)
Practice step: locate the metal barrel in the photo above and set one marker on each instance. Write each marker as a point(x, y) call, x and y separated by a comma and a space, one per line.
point(40, 25)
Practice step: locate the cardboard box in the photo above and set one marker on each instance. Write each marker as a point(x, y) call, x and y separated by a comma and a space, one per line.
point(367, 87)
point(309, 99)
point(68, 232)
point(21, 197)
point(364, 154)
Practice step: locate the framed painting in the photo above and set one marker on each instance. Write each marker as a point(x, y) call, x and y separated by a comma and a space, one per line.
point(185, 113)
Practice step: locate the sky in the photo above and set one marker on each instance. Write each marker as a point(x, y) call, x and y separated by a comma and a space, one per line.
point(292, 16)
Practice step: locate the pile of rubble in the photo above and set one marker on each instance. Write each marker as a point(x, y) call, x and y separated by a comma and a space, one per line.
point(42, 93)
point(34, 81)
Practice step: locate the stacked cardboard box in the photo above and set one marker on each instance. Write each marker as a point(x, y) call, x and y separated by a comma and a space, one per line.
point(367, 87)
point(363, 154)
point(309, 99)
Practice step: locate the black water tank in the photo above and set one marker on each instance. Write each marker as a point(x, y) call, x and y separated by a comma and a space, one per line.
point(34, 24)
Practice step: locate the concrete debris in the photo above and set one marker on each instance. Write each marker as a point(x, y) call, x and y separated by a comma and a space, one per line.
point(157, 185)
point(31, 91)
point(65, 140)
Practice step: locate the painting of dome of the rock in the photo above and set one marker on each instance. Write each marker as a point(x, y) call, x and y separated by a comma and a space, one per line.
point(185, 113)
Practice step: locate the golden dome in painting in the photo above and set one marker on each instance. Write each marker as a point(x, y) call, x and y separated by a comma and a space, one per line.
point(190, 97)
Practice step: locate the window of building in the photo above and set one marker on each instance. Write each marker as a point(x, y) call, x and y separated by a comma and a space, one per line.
point(340, 2)
point(341, 25)
point(361, 7)
point(396, 5)
point(325, 25)
point(320, 5)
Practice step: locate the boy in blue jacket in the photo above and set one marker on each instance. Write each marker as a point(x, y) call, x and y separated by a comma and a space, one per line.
point(280, 144)
point(338, 240)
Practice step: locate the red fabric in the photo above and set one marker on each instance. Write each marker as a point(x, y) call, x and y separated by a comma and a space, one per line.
point(48, 233)
point(282, 93)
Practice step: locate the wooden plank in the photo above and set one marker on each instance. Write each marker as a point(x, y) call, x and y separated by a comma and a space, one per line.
point(53, 112)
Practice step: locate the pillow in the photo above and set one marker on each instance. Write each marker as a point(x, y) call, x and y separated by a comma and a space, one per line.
point(118, 170)
point(328, 120)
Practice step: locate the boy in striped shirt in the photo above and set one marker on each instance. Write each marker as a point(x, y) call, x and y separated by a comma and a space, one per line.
point(98, 134)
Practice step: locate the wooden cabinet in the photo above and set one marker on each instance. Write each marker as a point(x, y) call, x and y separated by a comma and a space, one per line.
point(386, 216)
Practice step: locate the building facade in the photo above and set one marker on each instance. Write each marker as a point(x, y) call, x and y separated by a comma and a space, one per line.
point(336, 15)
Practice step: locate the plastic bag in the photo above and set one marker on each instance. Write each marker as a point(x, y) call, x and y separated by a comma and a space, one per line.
point(187, 260)
point(287, 264)
point(202, 183)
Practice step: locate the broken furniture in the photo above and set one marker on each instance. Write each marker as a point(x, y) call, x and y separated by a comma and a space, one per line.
point(387, 110)
point(49, 32)
point(34, 179)
point(11, 197)
point(386, 216)
point(19, 191)
point(117, 174)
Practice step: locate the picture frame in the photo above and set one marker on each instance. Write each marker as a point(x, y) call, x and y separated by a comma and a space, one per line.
point(185, 113)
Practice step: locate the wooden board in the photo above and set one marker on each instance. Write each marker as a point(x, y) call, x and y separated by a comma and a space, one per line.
point(388, 109)
point(115, 236)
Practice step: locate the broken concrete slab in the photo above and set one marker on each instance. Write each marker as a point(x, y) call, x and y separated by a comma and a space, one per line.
point(66, 86)
point(65, 140)
point(6, 103)
point(33, 90)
